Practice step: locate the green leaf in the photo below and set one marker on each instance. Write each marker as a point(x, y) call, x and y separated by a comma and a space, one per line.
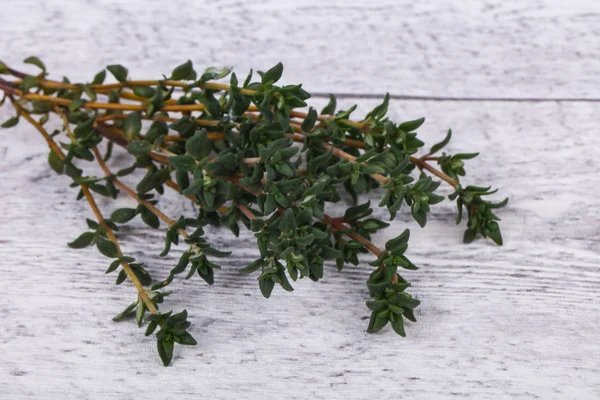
point(398, 325)
point(90, 93)
point(407, 302)
point(184, 72)
point(139, 147)
point(99, 78)
point(286, 169)
point(84, 240)
point(213, 73)
point(287, 223)
point(139, 313)
point(43, 119)
point(106, 247)
point(199, 145)
point(377, 305)
point(132, 125)
point(469, 235)
point(150, 219)
point(358, 211)
point(254, 266)
point(285, 283)
point(156, 102)
point(165, 351)
point(309, 121)
point(10, 122)
point(144, 91)
point(401, 240)
point(121, 277)
point(123, 215)
point(119, 72)
point(409, 315)
point(272, 75)
point(55, 162)
point(180, 316)
point(499, 205)
point(379, 112)
point(35, 61)
point(410, 126)
point(466, 156)
point(420, 216)
point(113, 266)
point(186, 339)
point(151, 328)
point(330, 107)
point(496, 236)
point(125, 312)
point(92, 224)
point(378, 322)
point(209, 251)
point(84, 128)
point(75, 104)
point(182, 163)
point(266, 286)
point(29, 82)
point(438, 146)
point(345, 114)
point(329, 253)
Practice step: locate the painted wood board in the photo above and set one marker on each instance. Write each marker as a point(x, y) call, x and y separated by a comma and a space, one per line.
point(518, 322)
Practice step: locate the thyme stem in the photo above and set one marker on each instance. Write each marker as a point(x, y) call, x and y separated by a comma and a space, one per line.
point(90, 199)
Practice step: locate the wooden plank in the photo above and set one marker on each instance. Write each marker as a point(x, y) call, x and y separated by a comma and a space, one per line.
point(519, 321)
point(511, 48)
point(514, 322)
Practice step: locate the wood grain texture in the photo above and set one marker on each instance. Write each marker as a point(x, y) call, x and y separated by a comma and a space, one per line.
point(516, 48)
point(517, 322)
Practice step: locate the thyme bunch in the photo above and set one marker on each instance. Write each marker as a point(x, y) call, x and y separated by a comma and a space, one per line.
point(246, 155)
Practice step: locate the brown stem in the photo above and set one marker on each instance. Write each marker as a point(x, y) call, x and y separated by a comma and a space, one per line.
point(116, 106)
point(342, 154)
point(89, 197)
point(49, 84)
point(199, 107)
point(337, 225)
point(333, 222)
point(9, 88)
point(133, 194)
point(197, 121)
point(378, 177)
point(423, 165)
point(246, 211)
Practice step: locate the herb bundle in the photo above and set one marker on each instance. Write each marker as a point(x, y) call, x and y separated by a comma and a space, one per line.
point(245, 155)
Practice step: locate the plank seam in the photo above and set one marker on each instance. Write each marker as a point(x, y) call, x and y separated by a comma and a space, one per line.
point(346, 95)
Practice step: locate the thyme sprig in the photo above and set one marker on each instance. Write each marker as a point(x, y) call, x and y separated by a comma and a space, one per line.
point(247, 156)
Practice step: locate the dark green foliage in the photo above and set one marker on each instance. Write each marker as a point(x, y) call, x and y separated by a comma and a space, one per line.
point(481, 220)
point(173, 329)
point(119, 72)
point(84, 240)
point(132, 125)
point(9, 123)
point(184, 72)
point(99, 78)
point(106, 247)
point(233, 150)
point(35, 61)
point(453, 165)
point(199, 145)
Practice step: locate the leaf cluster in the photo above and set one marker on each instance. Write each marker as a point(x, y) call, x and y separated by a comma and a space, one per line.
point(247, 158)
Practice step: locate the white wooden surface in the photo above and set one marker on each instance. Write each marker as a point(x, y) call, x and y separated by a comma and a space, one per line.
point(518, 322)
